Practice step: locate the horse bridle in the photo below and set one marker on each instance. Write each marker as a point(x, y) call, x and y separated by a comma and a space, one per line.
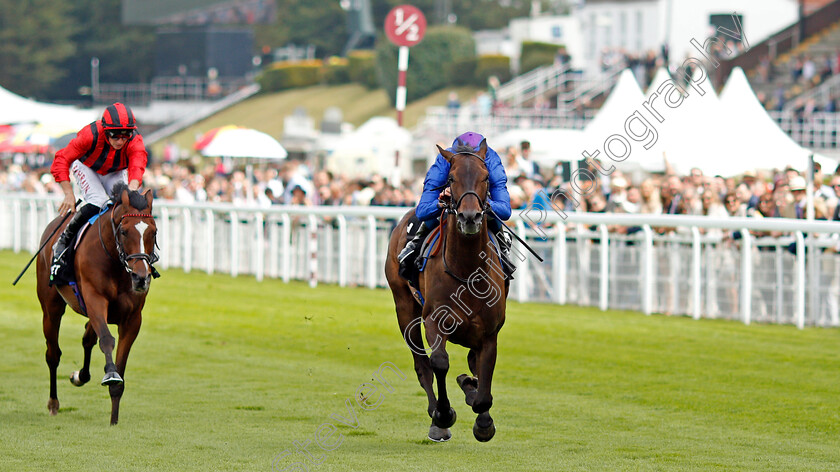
point(453, 210)
point(122, 258)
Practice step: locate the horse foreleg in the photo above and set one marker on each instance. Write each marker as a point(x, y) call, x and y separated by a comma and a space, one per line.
point(128, 333)
point(422, 366)
point(484, 429)
point(444, 414)
point(52, 323)
point(81, 377)
point(98, 315)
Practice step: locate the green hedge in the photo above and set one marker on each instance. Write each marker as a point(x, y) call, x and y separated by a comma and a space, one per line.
point(536, 54)
point(462, 72)
point(288, 75)
point(336, 71)
point(362, 68)
point(490, 65)
point(432, 63)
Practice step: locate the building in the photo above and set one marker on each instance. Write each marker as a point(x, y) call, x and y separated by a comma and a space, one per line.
point(638, 25)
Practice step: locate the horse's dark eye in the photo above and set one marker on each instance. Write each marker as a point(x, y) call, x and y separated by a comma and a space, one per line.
point(123, 232)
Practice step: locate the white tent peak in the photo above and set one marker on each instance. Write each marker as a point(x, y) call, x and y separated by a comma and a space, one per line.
point(757, 140)
point(661, 76)
point(737, 86)
point(625, 97)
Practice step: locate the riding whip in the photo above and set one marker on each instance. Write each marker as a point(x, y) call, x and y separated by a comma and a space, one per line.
point(45, 243)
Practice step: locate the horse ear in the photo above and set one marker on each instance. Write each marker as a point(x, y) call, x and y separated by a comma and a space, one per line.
point(124, 199)
point(446, 154)
point(482, 148)
point(148, 195)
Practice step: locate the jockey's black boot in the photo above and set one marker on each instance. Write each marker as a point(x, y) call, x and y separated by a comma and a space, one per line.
point(504, 239)
point(65, 241)
point(408, 255)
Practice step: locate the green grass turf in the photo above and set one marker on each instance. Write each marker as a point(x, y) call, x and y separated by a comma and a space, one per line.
point(227, 373)
point(267, 112)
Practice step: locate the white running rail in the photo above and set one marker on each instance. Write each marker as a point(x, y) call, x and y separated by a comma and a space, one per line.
point(694, 271)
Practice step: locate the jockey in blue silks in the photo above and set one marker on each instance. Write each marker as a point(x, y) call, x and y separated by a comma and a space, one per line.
point(430, 207)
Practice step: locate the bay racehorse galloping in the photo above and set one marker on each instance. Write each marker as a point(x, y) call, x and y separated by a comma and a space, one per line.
point(112, 272)
point(464, 292)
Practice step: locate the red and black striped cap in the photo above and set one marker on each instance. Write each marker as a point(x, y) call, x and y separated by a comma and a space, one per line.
point(118, 116)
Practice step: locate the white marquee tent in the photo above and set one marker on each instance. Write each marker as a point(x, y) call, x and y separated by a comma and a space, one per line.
point(625, 99)
point(548, 146)
point(726, 135)
point(752, 139)
point(16, 109)
point(689, 131)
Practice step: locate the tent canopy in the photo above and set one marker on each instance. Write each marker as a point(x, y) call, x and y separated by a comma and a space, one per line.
point(244, 143)
point(17, 109)
point(624, 101)
point(548, 146)
point(752, 139)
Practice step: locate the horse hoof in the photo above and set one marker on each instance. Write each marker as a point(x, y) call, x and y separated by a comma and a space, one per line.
point(484, 429)
point(444, 422)
point(439, 434)
point(52, 405)
point(465, 381)
point(111, 378)
point(77, 379)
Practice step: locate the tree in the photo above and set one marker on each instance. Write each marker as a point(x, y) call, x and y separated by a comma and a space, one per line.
point(125, 52)
point(431, 61)
point(35, 39)
point(303, 22)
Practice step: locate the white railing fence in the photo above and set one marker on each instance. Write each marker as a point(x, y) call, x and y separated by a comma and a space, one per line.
point(692, 270)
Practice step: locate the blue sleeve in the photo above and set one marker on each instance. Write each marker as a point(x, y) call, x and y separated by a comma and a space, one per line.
point(499, 197)
point(428, 208)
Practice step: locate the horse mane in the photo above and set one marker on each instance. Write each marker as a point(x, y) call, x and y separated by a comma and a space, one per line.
point(135, 198)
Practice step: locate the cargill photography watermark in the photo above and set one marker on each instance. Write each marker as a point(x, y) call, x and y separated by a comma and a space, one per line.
point(639, 128)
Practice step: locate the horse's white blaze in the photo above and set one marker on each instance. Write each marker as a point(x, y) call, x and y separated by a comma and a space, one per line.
point(141, 228)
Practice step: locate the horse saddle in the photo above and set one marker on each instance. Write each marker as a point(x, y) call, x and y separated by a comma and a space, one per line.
point(67, 274)
point(431, 246)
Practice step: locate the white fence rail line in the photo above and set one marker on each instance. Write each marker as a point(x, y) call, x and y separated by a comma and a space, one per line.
point(790, 279)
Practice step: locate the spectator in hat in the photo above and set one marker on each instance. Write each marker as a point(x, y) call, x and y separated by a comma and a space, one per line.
point(796, 208)
point(618, 194)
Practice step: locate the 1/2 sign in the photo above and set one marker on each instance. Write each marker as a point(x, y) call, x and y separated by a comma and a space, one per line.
point(405, 25)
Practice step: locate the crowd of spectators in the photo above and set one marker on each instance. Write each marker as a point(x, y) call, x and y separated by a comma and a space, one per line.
point(806, 72)
point(763, 194)
point(291, 182)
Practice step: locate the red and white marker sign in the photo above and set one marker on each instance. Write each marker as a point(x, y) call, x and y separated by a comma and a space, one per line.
point(405, 25)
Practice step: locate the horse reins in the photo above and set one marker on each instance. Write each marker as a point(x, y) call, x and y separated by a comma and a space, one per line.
point(453, 209)
point(486, 208)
